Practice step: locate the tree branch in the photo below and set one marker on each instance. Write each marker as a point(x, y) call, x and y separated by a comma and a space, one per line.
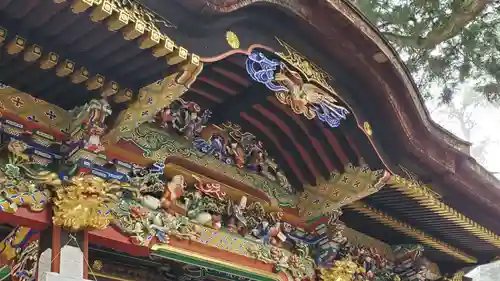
point(454, 23)
point(449, 27)
point(403, 40)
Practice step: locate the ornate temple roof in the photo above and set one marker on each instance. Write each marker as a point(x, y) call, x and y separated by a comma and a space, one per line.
point(389, 127)
point(404, 135)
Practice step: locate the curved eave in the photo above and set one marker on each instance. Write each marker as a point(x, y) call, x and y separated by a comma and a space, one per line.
point(394, 93)
point(420, 207)
point(375, 222)
point(436, 219)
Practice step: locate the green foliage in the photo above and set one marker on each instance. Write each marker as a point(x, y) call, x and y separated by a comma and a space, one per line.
point(443, 42)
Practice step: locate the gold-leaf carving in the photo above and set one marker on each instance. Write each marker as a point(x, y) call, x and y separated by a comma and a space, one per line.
point(341, 189)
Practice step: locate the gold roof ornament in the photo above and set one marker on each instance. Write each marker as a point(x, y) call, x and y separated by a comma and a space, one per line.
point(341, 189)
point(83, 203)
point(79, 203)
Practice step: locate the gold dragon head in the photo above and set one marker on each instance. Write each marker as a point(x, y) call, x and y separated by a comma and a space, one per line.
point(84, 203)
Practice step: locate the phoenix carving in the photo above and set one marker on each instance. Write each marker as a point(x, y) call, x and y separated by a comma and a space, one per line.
point(308, 99)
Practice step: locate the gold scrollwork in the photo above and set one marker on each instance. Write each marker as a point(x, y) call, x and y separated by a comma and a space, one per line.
point(341, 189)
point(311, 71)
point(141, 13)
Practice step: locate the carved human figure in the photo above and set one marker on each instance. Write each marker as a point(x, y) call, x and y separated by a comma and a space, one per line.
point(422, 273)
point(166, 118)
point(217, 147)
point(263, 232)
point(237, 153)
point(276, 236)
point(237, 221)
point(173, 191)
point(185, 126)
point(255, 157)
point(97, 112)
point(196, 211)
point(185, 118)
point(93, 141)
point(150, 102)
point(196, 124)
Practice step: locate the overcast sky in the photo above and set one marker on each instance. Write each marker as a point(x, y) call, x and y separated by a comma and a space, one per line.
point(487, 125)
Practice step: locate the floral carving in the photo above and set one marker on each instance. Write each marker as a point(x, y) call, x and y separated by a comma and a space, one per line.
point(298, 263)
point(149, 207)
point(142, 224)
